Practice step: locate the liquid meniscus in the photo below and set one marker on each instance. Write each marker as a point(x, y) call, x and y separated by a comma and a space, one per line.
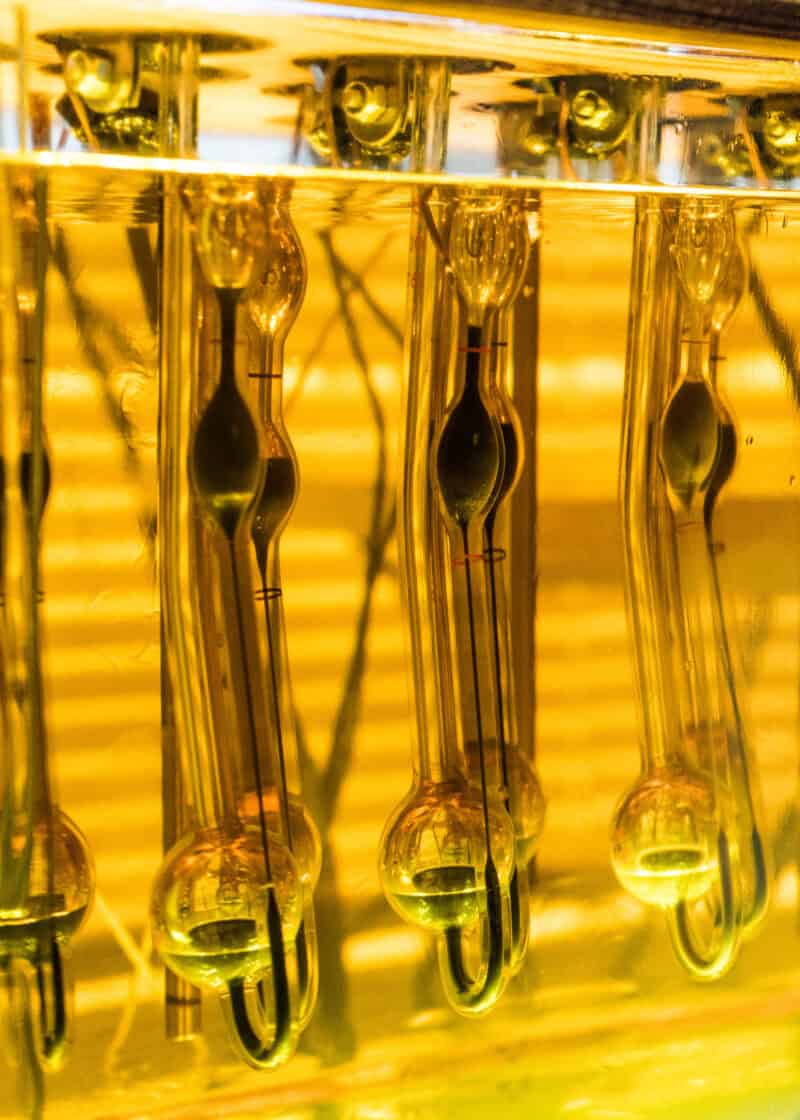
point(212, 954)
point(277, 497)
point(666, 876)
point(443, 896)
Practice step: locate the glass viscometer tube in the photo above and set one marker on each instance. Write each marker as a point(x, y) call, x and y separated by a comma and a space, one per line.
point(274, 304)
point(487, 254)
point(434, 848)
point(691, 446)
point(46, 875)
point(664, 839)
point(227, 900)
point(467, 467)
point(676, 835)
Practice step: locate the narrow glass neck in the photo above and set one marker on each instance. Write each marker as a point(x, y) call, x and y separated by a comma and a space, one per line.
point(699, 654)
point(696, 348)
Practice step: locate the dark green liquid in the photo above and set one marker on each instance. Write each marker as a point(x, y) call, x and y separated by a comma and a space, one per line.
point(669, 861)
point(663, 876)
point(224, 462)
point(280, 488)
point(468, 456)
point(690, 440)
point(26, 478)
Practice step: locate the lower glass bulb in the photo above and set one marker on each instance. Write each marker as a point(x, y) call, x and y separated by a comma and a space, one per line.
point(58, 888)
point(209, 906)
point(434, 855)
point(664, 838)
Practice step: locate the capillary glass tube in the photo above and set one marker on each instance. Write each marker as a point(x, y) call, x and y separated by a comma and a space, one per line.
point(676, 838)
point(523, 793)
point(273, 306)
point(743, 771)
point(47, 881)
point(227, 903)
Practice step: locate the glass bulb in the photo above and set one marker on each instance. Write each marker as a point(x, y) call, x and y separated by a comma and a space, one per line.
point(488, 252)
point(275, 301)
point(664, 837)
point(306, 842)
point(209, 906)
point(691, 438)
point(229, 231)
point(468, 457)
point(55, 892)
point(703, 242)
point(434, 855)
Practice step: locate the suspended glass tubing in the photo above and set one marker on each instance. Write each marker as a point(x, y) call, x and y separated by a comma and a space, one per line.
point(47, 879)
point(686, 838)
point(233, 903)
point(455, 854)
point(232, 906)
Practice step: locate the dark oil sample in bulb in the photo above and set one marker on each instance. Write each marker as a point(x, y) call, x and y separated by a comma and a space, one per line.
point(690, 440)
point(225, 463)
point(468, 455)
point(277, 497)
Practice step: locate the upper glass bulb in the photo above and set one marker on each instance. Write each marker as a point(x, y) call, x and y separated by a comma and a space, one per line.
point(730, 289)
point(488, 252)
point(229, 231)
point(703, 242)
point(278, 294)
